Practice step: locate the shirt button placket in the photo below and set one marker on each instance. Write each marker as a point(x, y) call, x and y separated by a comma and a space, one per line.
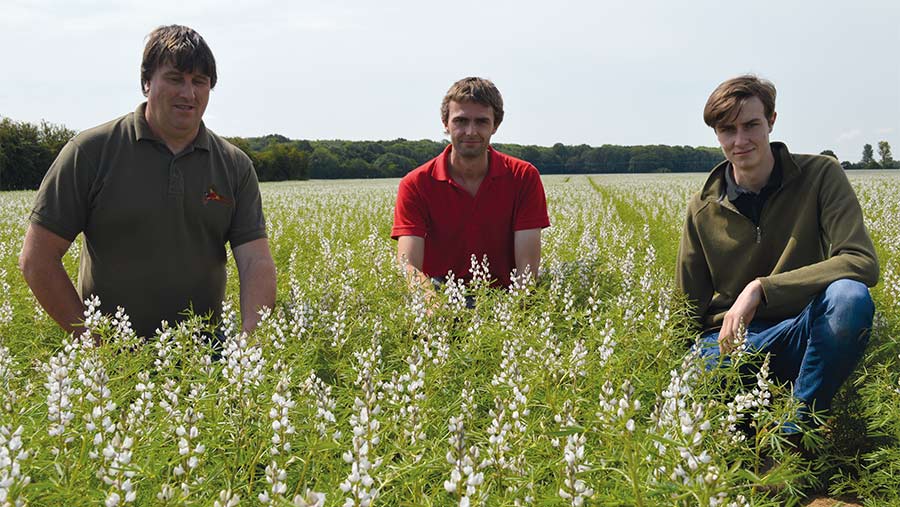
point(176, 178)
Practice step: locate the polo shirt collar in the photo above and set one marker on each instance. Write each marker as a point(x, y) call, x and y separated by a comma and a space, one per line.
point(142, 130)
point(496, 165)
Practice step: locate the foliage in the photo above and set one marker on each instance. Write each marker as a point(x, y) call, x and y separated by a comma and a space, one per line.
point(26, 151)
point(868, 157)
point(884, 153)
point(579, 389)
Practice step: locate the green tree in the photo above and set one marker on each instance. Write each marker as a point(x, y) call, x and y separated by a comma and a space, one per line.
point(27, 150)
point(829, 153)
point(884, 153)
point(323, 164)
point(868, 158)
point(244, 145)
point(282, 161)
point(391, 165)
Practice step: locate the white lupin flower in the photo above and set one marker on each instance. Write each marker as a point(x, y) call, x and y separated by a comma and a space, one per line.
point(574, 464)
point(480, 271)
point(275, 476)
point(92, 375)
point(115, 470)
point(12, 479)
point(608, 343)
point(6, 309)
point(244, 363)
point(190, 451)
point(758, 398)
point(227, 499)
point(139, 410)
point(282, 428)
point(455, 291)
point(7, 374)
point(503, 315)
point(577, 360)
point(166, 493)
point(301, 313)
point(228, 319)
point(365, 428)
point(309, 499)
point(464, 477)
point(168, 348)
point(60, 392)
point(314, 387)
point(123, 334)
point(405, 394)
point(679, 418)
point(520, 284)
point(550, 356)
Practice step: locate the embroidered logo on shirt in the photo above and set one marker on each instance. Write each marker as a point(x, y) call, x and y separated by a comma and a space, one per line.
point(212, 195)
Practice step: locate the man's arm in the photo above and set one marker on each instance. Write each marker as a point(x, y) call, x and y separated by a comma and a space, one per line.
point(527, 251)
point(851, 254)
point(741, 313)
point(692, 275)
point(256, 271)
point(41, 265)
point(411, 254)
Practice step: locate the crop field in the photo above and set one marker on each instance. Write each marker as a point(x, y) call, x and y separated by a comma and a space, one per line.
point(577, 390)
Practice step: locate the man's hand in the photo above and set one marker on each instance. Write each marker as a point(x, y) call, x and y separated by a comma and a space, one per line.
point(742, 312)
point(256, 270)
point(411, 254)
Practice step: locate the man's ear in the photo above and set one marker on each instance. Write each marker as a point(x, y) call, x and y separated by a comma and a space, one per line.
point(772, 121)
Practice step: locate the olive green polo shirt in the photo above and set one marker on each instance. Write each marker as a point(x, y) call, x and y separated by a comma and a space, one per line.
point(155, 224)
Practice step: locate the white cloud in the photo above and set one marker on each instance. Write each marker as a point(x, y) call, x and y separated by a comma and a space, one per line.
point(849, 135)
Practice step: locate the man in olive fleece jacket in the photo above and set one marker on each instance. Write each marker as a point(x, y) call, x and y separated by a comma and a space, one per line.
point(776, 242)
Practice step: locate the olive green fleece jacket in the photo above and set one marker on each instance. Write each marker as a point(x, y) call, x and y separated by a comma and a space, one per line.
point(810, 234)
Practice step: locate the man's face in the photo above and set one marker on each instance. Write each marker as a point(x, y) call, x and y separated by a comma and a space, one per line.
point(176, 101)
point(745, 139)
point(470, 126)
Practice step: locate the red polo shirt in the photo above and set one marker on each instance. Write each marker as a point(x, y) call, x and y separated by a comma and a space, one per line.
point(456, 225)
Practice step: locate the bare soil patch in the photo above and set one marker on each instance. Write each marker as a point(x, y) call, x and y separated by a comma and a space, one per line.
point(824, 501)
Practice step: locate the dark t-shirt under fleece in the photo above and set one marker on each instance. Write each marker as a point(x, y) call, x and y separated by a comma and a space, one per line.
point(155, 224)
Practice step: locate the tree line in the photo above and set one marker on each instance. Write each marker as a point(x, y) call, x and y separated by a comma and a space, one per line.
point(279, 158)
point(885, 158)
point(26, 151)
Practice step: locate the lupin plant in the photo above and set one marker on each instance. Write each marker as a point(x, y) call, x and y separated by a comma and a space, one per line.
point(602, 308)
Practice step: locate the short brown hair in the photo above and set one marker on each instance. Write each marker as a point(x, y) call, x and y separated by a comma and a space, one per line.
point(181, 46)
point(477, 90)
point(728, 98)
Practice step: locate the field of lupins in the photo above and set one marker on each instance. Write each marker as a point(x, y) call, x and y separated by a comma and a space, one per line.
point(577, 390)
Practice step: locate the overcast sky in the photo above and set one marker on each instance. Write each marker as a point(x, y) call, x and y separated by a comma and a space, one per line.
point(592, 72)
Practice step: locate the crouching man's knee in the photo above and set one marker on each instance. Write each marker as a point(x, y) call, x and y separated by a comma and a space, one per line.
point(849, 311)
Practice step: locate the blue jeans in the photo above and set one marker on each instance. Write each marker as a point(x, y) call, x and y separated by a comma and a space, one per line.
point(816, 350)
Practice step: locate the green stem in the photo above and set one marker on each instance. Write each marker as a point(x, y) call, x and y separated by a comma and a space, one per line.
point(633, 475)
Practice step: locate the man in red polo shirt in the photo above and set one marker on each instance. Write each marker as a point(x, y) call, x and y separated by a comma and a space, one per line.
point(470, 199)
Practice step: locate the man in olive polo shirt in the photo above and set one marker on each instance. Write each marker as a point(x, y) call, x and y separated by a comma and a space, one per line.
point(157, 196)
